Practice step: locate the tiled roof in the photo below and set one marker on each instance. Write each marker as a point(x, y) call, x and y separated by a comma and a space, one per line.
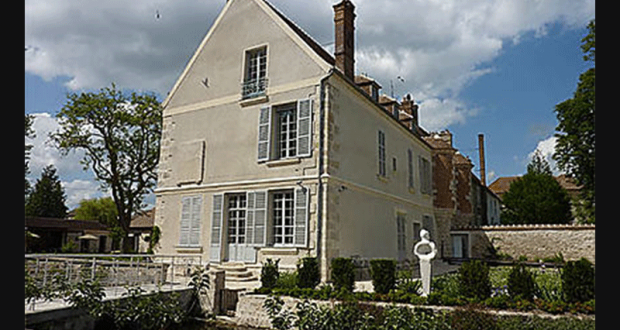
point(144, 219)
point(67, 224)
point(502, 184)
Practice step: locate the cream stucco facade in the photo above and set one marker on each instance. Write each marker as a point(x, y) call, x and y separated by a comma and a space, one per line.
point(293, 170)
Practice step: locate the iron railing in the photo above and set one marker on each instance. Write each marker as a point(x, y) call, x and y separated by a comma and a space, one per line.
point(112, 270)
point(253, 88)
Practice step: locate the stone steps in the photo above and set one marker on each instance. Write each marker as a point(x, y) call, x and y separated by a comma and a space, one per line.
point(238, 276)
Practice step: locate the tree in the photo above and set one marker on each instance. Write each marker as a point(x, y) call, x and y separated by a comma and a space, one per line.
point(48, 196)
point(576, 137)
point(29, 133)
point(102, 210)
point(119, 135)
point(536, 197)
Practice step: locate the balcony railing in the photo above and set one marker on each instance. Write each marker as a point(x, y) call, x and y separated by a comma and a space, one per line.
point(253, 88)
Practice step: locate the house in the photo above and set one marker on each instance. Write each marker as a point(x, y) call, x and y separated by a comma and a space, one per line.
point(460, 198)
point(273, 148)
point(52, 234)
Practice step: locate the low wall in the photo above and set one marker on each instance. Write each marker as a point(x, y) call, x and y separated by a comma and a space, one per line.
point(533, 241)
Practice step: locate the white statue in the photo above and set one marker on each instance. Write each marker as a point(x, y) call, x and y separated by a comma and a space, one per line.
point(425, 250)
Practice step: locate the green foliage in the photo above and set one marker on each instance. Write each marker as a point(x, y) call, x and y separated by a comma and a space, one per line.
point(287, 280)
point(536, 197)
point(199, 280)
point(472, 318)
point(575, 150)
point(119, 135)
point(102, 210)
point(474, 280)
point(578, 281)
point(154, 239)
point(383, 273)
point(308, 275)
point(343, 274)
point(48, 198)
point(521, 282)
point(269, 274)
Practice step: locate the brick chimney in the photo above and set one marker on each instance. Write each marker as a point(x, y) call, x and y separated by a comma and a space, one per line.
point(483, 175)
point(345, 38)
point(411, 109)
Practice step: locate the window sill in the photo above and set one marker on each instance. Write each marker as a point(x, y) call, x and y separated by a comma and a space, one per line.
point(276, 250)
point(244, 102)
point(382, 178)
point(283, 162)
point(188, 249)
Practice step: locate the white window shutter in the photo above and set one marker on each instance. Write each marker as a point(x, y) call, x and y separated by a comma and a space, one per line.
point(186, 206)
point(249, 218)
point(264, 133)
point(301, 216)
point(304, 128)
point(260, 218)
point(194, 233)
point(216, 228)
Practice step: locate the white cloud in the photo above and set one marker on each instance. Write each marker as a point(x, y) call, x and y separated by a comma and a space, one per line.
point(78, 184)
point(547, 149)
point(437, 46)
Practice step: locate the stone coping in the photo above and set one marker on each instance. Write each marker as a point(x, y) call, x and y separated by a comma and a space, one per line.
point(526, 227)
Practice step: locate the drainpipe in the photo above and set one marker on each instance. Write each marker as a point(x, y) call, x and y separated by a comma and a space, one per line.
point(320, 194)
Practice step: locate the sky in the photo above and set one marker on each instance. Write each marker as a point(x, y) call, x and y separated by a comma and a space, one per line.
point(478, 66)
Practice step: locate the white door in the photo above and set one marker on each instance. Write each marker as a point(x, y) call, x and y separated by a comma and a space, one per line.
point(236, 237)
point(457, 247)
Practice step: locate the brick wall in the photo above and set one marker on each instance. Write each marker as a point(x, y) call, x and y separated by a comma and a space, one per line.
point(533, 241)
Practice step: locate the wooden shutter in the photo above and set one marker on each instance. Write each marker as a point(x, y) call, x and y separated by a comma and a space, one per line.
point(304, 128)
point(186, 206)
point(194, 232)
point(216, 228)
point(301, 216)
point(264, 133)
point(249, 218)
point(260, 218)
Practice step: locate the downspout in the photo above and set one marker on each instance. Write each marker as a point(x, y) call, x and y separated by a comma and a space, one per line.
point(320, 194)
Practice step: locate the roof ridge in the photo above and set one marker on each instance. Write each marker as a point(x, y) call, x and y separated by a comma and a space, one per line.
point(307, 38)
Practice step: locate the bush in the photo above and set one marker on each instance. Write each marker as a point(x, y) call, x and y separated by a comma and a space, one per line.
point(472, 318)
point(383, 273)
point(269, 274)
point(578, 281)
point(308, 275)
point(287, 280)
point(343, 275)
point(521, 283)
point(474, 280)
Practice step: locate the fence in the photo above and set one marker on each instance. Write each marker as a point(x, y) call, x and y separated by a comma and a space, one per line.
point(111, 270)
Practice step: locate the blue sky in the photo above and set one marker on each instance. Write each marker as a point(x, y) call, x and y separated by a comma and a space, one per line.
point(484, 66)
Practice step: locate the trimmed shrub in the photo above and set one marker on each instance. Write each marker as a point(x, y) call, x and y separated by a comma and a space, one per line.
point(269, 274)
point(308, 275)
point(472, 317)
point(578, 281)
point(474, 280)
point(343, 274)
point(521, 283)
point(383, 273)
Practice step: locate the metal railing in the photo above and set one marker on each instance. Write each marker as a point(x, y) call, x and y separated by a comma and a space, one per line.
point(112, 270)
point(253, 88)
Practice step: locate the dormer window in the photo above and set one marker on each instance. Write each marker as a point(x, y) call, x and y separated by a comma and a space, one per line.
point(255, 77)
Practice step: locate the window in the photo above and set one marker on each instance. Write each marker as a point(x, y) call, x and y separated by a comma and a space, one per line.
point(394, 164)
point(283, 221)
point(410, 168)
point(460, 245)
point(286, 137)
point(381, 155)
point(189, 235)
point(236, 218)
point(255, 80)
point(425, 176)
point(284, 131)
point(401, 238)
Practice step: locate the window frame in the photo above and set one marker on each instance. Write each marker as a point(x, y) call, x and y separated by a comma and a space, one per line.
point(381, 157)
point(254, 79)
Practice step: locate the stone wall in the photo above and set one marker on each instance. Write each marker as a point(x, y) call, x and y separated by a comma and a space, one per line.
point(533, 241)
